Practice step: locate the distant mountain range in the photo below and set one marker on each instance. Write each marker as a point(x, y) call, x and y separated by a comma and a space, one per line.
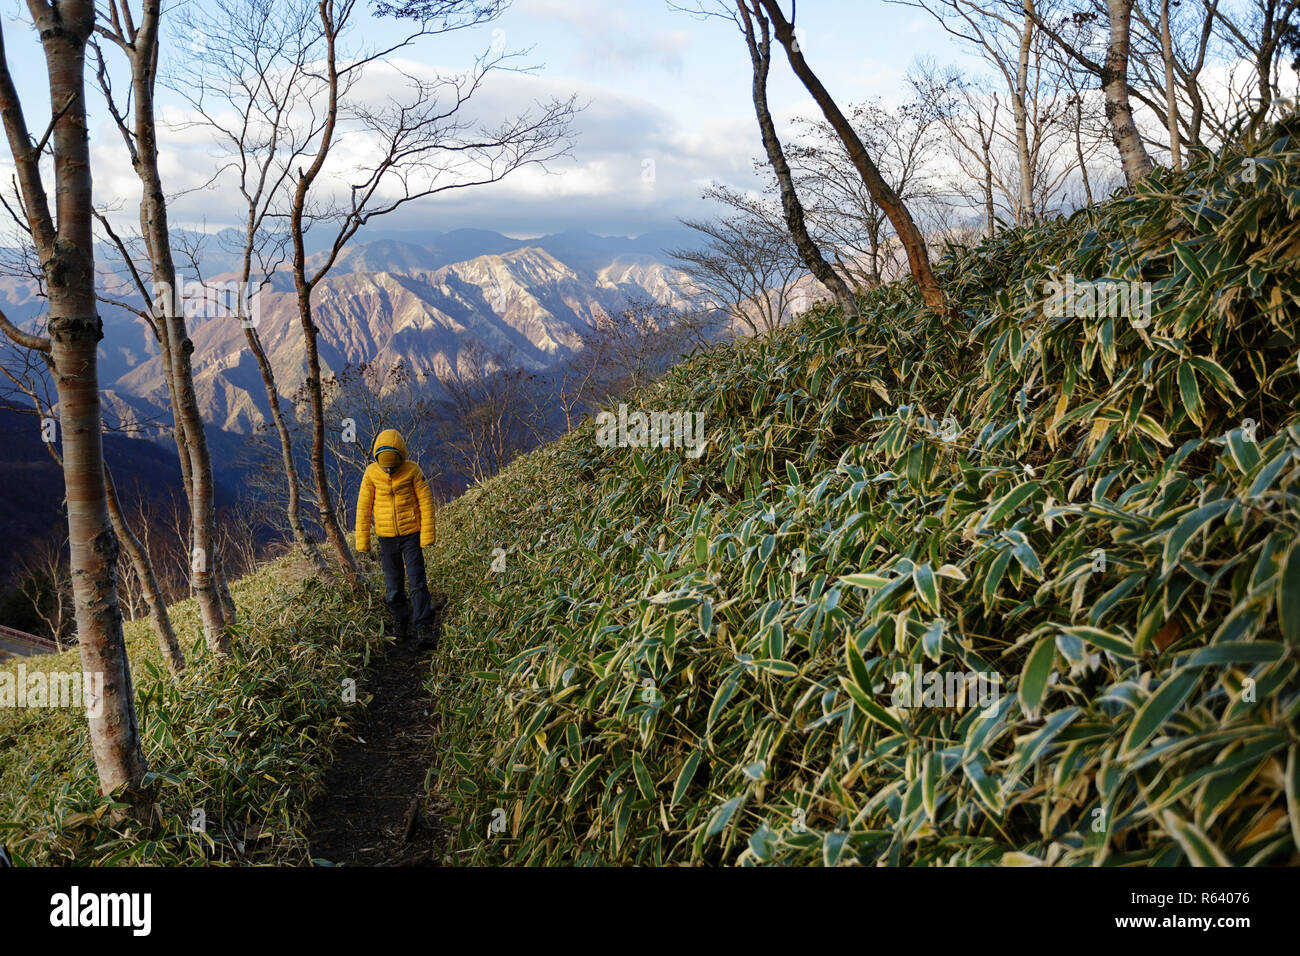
point(421, 301)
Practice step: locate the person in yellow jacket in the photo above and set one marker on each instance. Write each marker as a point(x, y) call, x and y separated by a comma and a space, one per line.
point(395, 494)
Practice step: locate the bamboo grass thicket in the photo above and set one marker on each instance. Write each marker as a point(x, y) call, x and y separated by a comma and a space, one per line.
point(660, 659)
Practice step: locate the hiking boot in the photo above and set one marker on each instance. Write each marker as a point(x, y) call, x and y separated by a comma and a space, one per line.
point(428, 639)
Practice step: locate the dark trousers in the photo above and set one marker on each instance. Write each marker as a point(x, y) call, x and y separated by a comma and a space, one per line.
point(403, 564)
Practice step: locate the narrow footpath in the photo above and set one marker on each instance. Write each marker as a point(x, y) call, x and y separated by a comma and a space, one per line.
point(373, 811)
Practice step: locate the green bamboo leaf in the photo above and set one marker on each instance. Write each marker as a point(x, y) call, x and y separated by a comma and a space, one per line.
point(644, 782)
point(1191, 393)
point(1244, 452)
point(724, 694)
point(1028, 559)
point(1032, 747)
point(1236, 652)
point(857, 666)
point(722, 816)
point(932, 640)
point(1038, 668)
point(761, 843)
point(622, 817)
point(1009, 502)
point(986, 788)
point(1222, 380)
point(706, 617)
point(1187, 256)
point(864, 579)
point(583, 776)
point(873, 710)
point(833, 847)
point(1268, 474)
point(930, 784)
point(685, 776)
point(1158, 708)
point(1017, 858)
point(1072, 648)
point(926, 585)
point(682, 603)
point(1183, 532)
point(1106, 339)
point(1149, 426)
point(997, 569)
point(952, 572)
point(775, 666)
point(1288, 594)
point(1115, 643)
point(1200, 849)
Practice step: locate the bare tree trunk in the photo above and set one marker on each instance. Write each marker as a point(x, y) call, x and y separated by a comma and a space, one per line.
point(140, 562)
point(153, 222)
point(990, 222)
point(1171, 91)
point(162, 623)
point(185, 533)
point(223, 589)
point(1019, 101)
point(1078, 147)
point(760, 54)
point(67, 259)
point(329, 518)
point(294, 507)
point(1114, 82)
point(882, 193)
point(1113, 75)
point(140, 44)
point(325, 498)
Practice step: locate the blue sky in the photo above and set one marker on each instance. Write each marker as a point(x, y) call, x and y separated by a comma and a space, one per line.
point(668, 108)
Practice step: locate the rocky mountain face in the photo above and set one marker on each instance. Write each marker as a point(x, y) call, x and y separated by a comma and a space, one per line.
point(388, 300)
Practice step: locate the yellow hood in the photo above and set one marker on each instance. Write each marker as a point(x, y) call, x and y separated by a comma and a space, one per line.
point(389, 449)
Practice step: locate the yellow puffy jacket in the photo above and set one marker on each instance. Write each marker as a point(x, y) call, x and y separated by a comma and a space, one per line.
point(400, 501)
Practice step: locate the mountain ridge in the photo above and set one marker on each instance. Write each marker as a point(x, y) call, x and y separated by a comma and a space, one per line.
point(385, 300)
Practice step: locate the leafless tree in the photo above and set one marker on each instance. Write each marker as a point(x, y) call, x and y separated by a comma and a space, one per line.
point(1111, 67)
point(244, 525)
point(421, 143)
point(631, 348)
point(137, 38)
point(972, 118)
point(754, 25)
point(1257, 33)
point(882, 193)
point(904, 140)
point(747, 263)
point(44, 579)
point(242, 83)
point(1008, 39)
point(362, 400)
point(64, 241)
point(491, 417)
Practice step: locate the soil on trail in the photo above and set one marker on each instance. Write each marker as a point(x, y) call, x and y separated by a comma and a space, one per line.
point(374, 810)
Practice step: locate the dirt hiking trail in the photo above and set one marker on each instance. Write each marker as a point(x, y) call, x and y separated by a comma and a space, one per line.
point(374, 810)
